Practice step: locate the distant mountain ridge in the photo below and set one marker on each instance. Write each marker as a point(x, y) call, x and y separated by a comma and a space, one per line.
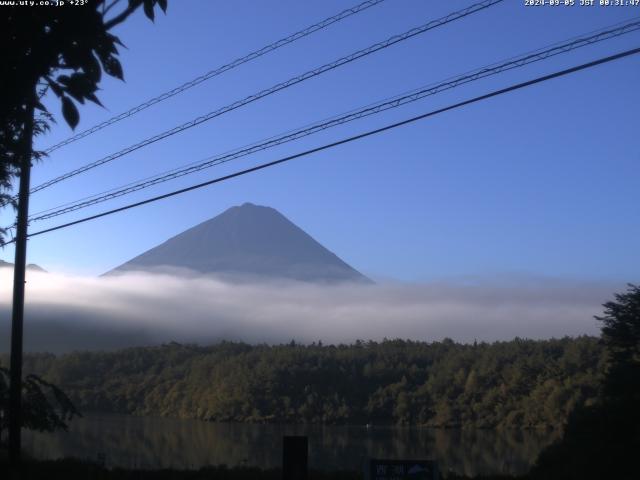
point(247, 241)
point(31, 266)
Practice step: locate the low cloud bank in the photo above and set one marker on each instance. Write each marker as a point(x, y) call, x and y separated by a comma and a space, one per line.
point(76, 313)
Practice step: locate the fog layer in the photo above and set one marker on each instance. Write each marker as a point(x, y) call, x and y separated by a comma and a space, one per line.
point(71, 312)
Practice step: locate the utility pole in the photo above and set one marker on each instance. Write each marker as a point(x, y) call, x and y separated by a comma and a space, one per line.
point(17, 318)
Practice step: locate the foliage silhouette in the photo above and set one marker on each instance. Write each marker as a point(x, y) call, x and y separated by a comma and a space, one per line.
point(59, 49)
point(602, 440)
point(621, 335)
point(46, 408)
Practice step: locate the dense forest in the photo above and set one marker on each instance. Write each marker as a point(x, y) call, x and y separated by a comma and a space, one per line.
point(520, 383)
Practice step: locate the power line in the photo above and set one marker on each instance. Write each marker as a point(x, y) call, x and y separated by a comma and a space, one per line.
point(369, 133)
point(276, 88)
point(220, 70)
point(587, 38)
point(496, 68)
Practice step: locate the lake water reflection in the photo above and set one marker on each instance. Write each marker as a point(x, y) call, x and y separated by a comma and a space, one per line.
point(144, 442)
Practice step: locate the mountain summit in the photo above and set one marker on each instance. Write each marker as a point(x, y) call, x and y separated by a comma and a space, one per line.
point(247, 241)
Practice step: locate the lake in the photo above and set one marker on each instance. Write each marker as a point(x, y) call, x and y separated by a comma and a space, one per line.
point(147, 442)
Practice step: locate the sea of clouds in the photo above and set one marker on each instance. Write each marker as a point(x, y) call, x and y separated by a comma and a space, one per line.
point(66, 312)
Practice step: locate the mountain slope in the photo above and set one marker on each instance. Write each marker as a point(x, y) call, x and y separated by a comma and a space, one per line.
point(31, 266)
point(247, 241)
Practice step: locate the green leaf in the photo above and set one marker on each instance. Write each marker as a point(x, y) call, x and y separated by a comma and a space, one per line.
point(92, 68)
point(112, 67)
point(106, 46)
point(148, 9)
point(64, 80)
point(70, 112)
point(94, 99)
point(57, 89)
point(163, 5)
point(79, 86)
point(115, 40)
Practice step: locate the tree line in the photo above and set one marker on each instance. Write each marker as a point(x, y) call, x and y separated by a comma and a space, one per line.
point(519, 383)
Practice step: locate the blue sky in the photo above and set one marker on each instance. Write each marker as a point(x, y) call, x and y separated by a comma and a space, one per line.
point(540, 182)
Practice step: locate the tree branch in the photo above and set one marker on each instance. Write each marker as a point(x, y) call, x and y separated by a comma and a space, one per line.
point(106, 8)
point(118, 19)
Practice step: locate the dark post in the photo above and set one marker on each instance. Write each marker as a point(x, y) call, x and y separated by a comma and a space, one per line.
point(295, 452)
point(15, 389)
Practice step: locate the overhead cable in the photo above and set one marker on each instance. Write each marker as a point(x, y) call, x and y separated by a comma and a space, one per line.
point(369, 133)
point(219, 70)
point(394, 102)
point(276, 88)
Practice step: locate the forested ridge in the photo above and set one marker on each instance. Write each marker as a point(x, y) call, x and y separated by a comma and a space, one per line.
point(520, 383)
